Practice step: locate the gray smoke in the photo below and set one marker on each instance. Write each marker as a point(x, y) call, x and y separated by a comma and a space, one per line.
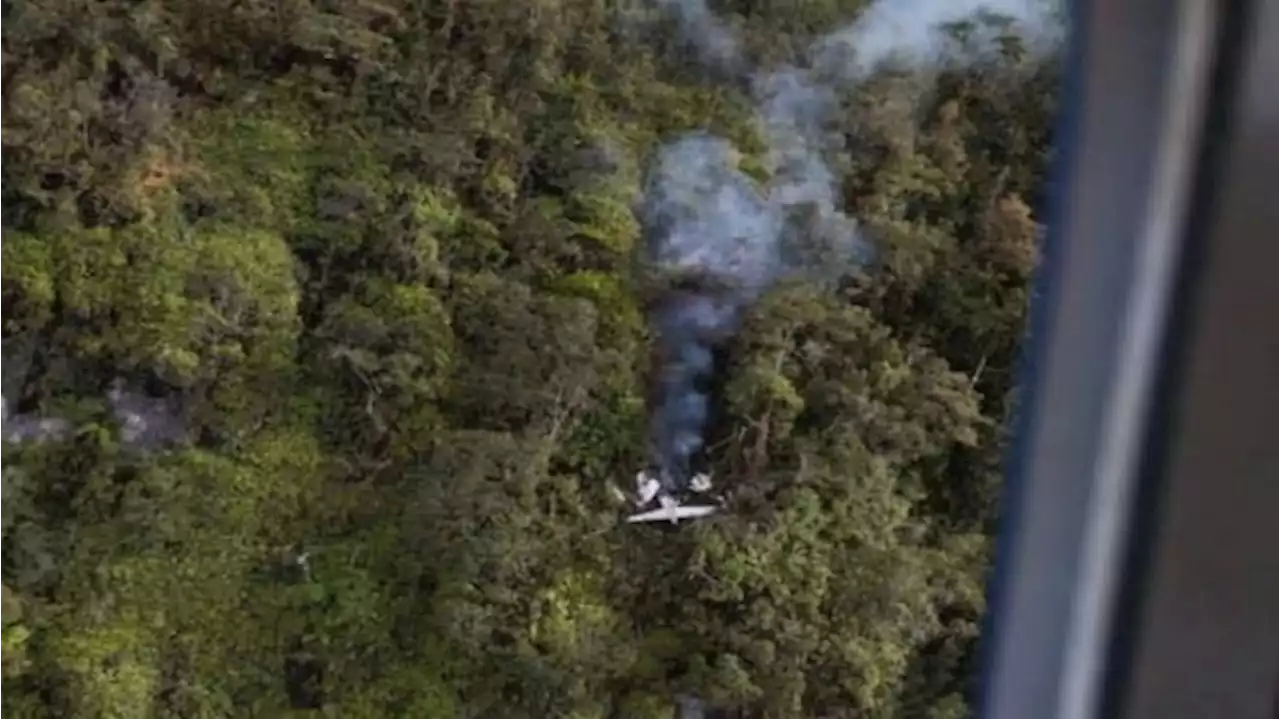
point(912, 32)
point(706, 218)
point(146, 423)
point(715, 43)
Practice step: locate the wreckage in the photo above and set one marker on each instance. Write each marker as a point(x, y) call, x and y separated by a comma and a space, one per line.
point(652, 491)
point(692, 312)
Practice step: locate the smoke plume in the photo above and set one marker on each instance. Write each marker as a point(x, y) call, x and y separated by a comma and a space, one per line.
point(706, 218)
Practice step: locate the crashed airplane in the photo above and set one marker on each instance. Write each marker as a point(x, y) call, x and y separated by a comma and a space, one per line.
point(650, 488)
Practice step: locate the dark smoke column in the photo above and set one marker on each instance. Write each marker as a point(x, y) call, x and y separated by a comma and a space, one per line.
point(713, 239)
point(689, 323)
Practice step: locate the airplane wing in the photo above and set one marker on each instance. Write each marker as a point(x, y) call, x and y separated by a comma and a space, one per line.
point(671, 514)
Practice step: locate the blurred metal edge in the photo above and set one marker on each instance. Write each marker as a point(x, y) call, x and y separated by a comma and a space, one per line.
point(1137, 133)
point(1201, 609)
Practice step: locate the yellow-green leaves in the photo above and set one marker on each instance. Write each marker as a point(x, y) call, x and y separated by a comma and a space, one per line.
point(254, 167)
point(29, 277)
point(114, 669)
point(211, 305)
point(15, 635)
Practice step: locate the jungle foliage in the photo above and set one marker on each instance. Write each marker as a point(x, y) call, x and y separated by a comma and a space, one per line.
point(379, 259)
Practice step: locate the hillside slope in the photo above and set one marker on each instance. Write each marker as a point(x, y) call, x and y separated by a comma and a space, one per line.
point(325, 335)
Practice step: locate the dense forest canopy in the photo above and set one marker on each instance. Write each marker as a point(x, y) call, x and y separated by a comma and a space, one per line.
point(326, 334)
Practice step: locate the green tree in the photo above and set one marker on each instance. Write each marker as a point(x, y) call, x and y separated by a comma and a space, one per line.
point(380, 260)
